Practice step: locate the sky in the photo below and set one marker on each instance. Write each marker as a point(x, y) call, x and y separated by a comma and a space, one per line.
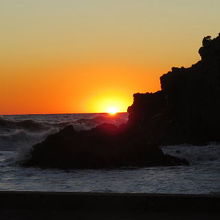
point(80, 56)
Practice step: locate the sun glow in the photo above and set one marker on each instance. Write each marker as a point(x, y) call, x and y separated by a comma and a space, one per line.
point(111, 104)
point(112, 110)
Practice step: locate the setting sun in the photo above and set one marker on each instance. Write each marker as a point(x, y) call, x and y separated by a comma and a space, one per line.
point(109, 101)
point(112, 110)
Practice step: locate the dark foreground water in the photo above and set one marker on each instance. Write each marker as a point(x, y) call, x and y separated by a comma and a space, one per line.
point(19, 133)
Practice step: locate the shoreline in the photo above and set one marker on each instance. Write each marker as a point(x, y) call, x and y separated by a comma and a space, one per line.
point(24, 204)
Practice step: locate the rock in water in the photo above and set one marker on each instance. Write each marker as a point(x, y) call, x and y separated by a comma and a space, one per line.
point(105, 146)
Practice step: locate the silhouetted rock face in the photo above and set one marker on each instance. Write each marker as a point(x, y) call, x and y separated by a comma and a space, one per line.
point(187, 109)
point(105, 146)
point(211, 48)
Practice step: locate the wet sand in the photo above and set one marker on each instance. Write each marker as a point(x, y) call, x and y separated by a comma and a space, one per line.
point(59, 205)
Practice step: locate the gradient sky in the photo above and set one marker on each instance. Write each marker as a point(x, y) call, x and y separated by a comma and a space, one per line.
point(64, 56)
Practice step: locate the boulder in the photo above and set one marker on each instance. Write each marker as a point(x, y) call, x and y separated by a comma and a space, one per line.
point(105, 146)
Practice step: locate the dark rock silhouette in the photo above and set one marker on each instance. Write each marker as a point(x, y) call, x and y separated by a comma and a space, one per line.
point(105, 146)
point(186, 110)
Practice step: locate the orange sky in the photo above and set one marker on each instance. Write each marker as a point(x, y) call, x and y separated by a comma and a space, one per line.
point(85, 56)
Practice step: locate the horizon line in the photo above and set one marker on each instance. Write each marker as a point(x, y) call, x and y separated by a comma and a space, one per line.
point(59, 113)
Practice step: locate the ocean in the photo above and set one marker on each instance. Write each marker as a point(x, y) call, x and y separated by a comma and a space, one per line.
point(18, 133)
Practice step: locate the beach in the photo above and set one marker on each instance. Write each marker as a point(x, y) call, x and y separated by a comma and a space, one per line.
point(56, 205)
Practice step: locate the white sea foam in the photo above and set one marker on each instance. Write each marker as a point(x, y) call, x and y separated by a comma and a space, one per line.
point(195, 154)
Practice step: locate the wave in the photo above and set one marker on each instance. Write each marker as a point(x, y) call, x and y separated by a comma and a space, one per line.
point(19, 138)
point(25, 131)
point(27, 124)
point(39, 124)
point(21, 133)
point(195, 154)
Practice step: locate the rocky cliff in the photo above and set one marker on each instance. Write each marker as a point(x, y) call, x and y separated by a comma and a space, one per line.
point(187, 109)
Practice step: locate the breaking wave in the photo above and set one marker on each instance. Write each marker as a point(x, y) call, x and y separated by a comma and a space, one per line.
point(27, 124)
point(21, 132)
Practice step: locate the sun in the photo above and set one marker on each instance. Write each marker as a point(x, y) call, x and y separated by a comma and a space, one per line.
point(112, 110)
point(111, 104)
